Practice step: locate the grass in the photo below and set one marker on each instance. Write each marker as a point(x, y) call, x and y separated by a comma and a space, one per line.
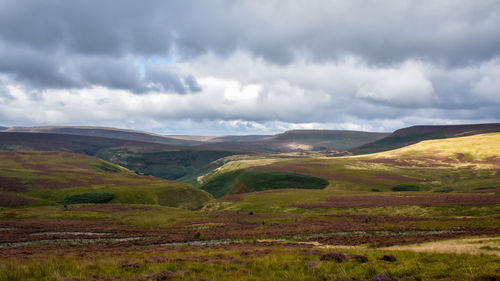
point(180, 165)
point(405, 187)
point(242, 181)
point(277, 263)
point(153, 217)
point(476, 246)
point(51, 177)
point(89, 197)
point(433, 167)
point(464, 163)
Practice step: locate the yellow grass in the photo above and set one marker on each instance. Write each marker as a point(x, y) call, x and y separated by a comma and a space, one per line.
point(479, 146)
point(474, 246)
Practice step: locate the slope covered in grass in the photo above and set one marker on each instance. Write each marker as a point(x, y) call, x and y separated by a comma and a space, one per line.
point(51, 177)
point(243, 181)
point(415, 134)
point(455, 164)
point(160, 160)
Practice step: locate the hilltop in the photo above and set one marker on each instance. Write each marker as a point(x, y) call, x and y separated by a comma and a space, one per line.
point(106, 132)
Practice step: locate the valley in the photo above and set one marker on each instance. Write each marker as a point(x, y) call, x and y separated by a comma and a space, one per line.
point(88, 207)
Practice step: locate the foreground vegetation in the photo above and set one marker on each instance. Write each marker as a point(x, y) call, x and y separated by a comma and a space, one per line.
point(250, 262)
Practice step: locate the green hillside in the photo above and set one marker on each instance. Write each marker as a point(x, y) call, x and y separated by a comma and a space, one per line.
point(159, 160)
point(454, 164)
point(415, 134)
point(244, 181)
point(177, 165)
point(47, 178)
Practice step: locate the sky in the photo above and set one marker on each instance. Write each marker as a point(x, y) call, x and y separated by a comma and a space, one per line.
point(220, 67)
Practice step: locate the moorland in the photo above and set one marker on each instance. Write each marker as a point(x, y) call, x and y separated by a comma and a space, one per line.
point(90, 203)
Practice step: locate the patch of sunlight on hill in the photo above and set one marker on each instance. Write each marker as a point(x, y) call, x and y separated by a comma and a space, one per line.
point(477, 146)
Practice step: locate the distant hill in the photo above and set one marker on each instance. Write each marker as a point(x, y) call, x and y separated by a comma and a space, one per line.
point(239, 138)
point(296, 140)
point(235, 138)
point(160, 160)
point(105, 132)
point(3, 128)
point(90, 145)
point(415, 134)
point(47, 178)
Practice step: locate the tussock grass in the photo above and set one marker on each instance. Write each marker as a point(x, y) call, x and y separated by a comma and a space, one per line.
point(278, 263)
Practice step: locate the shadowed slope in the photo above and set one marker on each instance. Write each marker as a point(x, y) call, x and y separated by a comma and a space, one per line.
point(105, 132)
point(302, 140)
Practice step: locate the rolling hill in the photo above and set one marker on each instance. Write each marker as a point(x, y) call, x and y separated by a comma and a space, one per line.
point(231, 138)
point(105, 132)
point(455, 164)
point(297, 140)
point(90, 145)
point(48, 178)
point(161, 160)
point(415, 134)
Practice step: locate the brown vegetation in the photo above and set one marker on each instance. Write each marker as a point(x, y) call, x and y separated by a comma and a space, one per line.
point(367, 201)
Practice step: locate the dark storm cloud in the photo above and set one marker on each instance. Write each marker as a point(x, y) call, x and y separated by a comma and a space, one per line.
point(380, 31)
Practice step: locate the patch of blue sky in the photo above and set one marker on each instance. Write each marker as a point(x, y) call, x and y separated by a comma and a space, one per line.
point(156, 60)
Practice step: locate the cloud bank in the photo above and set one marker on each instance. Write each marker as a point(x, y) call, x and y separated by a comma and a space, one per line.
point(219, 67)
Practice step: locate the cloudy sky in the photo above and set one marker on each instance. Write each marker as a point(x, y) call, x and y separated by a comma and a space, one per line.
point(249, 67)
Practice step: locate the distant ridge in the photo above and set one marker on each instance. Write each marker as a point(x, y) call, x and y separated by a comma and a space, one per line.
point(229, 138)
point(415, 134)
point(297, 140)
point(22, 141)
point(3, 128)
point(106, 132)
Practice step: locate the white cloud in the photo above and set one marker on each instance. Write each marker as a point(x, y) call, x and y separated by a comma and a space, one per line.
point(256, 96)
